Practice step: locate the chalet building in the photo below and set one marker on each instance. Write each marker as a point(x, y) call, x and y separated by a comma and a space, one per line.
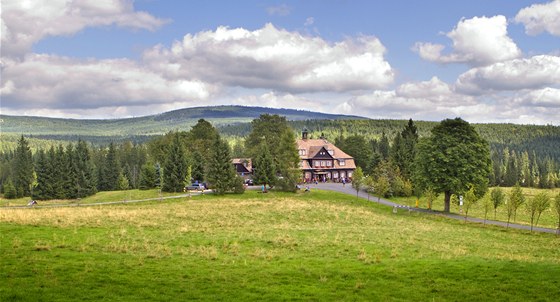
point(243, 167)
point(323, 161)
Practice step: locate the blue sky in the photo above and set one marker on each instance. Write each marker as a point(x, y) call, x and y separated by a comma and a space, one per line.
point(485, 61)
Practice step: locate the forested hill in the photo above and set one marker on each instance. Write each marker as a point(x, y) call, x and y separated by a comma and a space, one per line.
point(234, 121)
point(181, 119)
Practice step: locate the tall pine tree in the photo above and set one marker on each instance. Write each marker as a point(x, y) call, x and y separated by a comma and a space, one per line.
point(174, 166)
point(23, 168)
point(221, 173)
point(43, 168)
point(264, 170)
point(109, 170)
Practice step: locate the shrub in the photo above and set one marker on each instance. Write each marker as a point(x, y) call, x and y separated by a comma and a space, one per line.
point(10, 190)
point(238, 185)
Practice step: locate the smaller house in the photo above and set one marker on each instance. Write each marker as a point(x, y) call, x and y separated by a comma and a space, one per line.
point(243, 167)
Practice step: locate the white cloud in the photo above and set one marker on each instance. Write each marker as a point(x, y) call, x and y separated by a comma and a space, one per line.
point(420, 100)
point(427, 89)
point(24, 23)
point(309, 21)
point(436, 100)
point(531, 73)
point(272, 58)
point(477, 41)
point(546, 98)
point(51, 82)
point(538, 18)
point(279, 10)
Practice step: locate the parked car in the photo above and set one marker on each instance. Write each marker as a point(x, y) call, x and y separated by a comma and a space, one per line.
point(195, 187)
point(249, 182)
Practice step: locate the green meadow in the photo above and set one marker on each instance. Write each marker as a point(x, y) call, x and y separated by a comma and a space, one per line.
point(318, 246)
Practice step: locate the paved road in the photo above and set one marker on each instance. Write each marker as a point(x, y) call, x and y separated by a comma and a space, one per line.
point(349, 190)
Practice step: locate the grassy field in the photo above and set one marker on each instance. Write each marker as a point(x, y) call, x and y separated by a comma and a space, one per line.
point(318, 246)
point(105, 196)
point(548, 218)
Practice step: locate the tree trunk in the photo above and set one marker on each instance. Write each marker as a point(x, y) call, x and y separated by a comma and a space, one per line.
point(447, 202)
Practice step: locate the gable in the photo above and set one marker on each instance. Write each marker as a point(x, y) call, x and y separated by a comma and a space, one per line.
point(310, 148)
point(320, 152)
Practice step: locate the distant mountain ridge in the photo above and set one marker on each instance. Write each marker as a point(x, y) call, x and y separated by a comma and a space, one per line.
point(181, 119)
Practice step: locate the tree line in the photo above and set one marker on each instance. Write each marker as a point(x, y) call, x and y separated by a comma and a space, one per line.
point(169, 162)
point(173, 160)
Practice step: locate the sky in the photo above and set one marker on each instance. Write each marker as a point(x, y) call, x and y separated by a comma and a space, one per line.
point(486, 61)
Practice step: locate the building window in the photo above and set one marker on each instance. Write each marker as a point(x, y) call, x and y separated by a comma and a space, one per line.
point(322, 163)
point(349, 173)
point(335, 174)
point(341, 162)
point(329, 163)
point(316, 163)
point(302, 152)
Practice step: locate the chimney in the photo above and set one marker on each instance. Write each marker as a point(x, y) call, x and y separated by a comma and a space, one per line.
point(304, 134)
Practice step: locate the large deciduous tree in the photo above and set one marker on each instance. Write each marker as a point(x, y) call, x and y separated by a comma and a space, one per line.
point(453, 158)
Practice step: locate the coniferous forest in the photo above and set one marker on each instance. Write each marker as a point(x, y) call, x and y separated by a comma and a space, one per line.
point(69, 168)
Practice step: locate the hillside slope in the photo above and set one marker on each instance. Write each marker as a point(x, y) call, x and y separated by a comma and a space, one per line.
point(181, 119)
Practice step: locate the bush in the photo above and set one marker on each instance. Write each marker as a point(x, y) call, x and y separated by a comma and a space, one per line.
point(398, 186)
point(238, 185)
point(10, 190)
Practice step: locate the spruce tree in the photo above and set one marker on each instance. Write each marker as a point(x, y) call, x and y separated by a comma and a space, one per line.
point(264, 170)
point(122, 182)
point(10, 190)
point(221, 173)
point(85, 169)
point(198, 166)
point(23, 168)
point(383, 146)
point(110, 170)
point(288, 163)
point(175, 166)
point(58, 179)
point(407, 149)
point(148, 177)
point(71, 173)
point(357, 147)
point(43, 191)
point(273, 130)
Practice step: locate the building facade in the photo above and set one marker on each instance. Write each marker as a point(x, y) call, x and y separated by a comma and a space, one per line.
point(323, 161)
point(243, 167)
